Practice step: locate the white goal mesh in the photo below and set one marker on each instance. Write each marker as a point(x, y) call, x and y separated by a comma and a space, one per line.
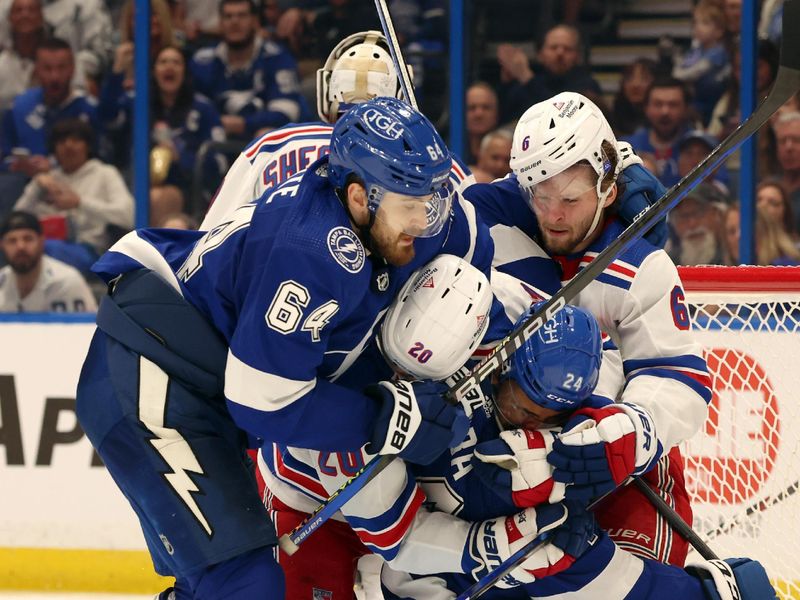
point(743, 467)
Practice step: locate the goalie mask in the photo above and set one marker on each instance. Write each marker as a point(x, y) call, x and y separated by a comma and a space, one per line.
point(558, 367)
point(568, 130)
point(400, 159)
point(437, 320)
point(358, 69)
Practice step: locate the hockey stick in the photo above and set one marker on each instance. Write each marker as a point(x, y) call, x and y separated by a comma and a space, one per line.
point(759, 506)
point(290, 542)
point(675, 521)
point(394, 50)
point(787, 83)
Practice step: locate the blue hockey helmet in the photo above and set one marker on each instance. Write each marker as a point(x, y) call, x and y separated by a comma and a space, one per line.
point(402, 160)
point(558, 367)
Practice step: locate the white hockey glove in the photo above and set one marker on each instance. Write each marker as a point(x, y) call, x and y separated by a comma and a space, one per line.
point(733, 579)
point(515, 467)
point(491, 542)
point(599, 448)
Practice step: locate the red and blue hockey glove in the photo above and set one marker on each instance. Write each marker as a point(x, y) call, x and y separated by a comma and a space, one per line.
point(642, 189)
point(515, 467)
point(490, 542)
point(599, 448)
point(414, 421)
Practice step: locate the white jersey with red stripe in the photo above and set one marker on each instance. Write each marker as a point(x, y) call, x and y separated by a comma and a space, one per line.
point(638, 300)
point(275, 157)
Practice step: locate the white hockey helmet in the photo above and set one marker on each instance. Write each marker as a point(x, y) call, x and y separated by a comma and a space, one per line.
point(358, 69)
point(437, 319)
point(556, 134)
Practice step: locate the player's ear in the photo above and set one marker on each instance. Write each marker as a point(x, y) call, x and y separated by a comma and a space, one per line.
point(612, 195)
point(357, 202)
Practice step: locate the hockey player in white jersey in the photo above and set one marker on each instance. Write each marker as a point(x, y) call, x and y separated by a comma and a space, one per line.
point(563, 198)
point(435, 323)
point(358, 68)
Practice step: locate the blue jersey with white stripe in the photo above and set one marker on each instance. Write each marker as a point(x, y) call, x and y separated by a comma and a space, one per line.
point(292, 290)
point(638, 300)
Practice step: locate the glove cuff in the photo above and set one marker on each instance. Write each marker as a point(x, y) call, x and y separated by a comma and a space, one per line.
point(405, 418)
point(648, 448)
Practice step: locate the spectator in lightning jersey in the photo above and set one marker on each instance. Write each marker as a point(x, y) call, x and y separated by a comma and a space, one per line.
point(253, 82)
point(358, 68)
point(562, 198)
point(441, 516)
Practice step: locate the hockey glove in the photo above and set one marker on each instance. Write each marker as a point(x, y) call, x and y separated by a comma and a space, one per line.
point(491, 542)
point(641, 189)
point(515, 467)
point(599, 448)
point(733, 579)
point(414, 421)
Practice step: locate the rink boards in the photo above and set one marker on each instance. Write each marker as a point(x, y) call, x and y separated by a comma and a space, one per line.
point(64, 525)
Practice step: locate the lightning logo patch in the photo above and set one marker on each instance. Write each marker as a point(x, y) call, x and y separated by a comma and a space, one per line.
point(169, 443)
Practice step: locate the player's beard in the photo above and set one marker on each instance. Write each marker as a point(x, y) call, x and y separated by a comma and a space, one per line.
point(569, 241)
point(23, 263)
point(698, 247)
point(392, 245)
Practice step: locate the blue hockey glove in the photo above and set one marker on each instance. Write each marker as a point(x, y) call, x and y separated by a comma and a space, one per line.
point(490, 542)
point(733, 579)
point(515, 467)
point(642, 189)
point(599, 448)
point(414, 421)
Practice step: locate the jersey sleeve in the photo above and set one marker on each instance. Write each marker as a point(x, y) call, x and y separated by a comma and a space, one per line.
point(664, 368)
point(277, 349)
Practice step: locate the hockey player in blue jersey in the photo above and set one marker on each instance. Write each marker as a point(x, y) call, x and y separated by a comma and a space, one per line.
point(248, 326)
point(407, 514)
point(562, 203)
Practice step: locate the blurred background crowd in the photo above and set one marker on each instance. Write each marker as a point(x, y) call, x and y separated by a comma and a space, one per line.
point(223, 71)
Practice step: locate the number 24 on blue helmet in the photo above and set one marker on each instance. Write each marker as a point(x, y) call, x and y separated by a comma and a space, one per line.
point(402, 161)
point(559, 365)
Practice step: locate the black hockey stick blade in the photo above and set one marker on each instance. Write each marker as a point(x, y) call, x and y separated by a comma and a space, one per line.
point(787, 83)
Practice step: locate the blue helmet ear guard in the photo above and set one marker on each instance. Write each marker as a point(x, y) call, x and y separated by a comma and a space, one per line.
point(558, 367)
point(386, 142)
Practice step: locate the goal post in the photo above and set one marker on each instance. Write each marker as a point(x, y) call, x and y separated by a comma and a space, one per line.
point(743, 467)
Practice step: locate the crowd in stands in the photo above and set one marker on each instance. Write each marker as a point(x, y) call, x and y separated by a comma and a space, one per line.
point(224, 71)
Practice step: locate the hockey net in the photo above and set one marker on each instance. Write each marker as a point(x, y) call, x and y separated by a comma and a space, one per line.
point(743, 467)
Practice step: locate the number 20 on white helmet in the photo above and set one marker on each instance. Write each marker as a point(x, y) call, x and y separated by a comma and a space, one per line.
point(437, 320)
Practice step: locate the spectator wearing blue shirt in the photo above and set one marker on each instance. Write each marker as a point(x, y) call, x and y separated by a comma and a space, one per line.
point(254, 83)
point(666, 109)
point(182, 121)
point(26, 125)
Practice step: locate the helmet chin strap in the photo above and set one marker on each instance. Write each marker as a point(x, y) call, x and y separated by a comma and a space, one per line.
point(601, 199)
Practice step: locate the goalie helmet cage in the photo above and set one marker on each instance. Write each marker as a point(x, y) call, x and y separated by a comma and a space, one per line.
point(743, 467)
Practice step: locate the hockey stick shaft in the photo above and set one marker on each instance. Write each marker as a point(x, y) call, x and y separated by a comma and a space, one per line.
point(290, 542)
point(394, 50)
point(675, 521)
point(787, 83)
